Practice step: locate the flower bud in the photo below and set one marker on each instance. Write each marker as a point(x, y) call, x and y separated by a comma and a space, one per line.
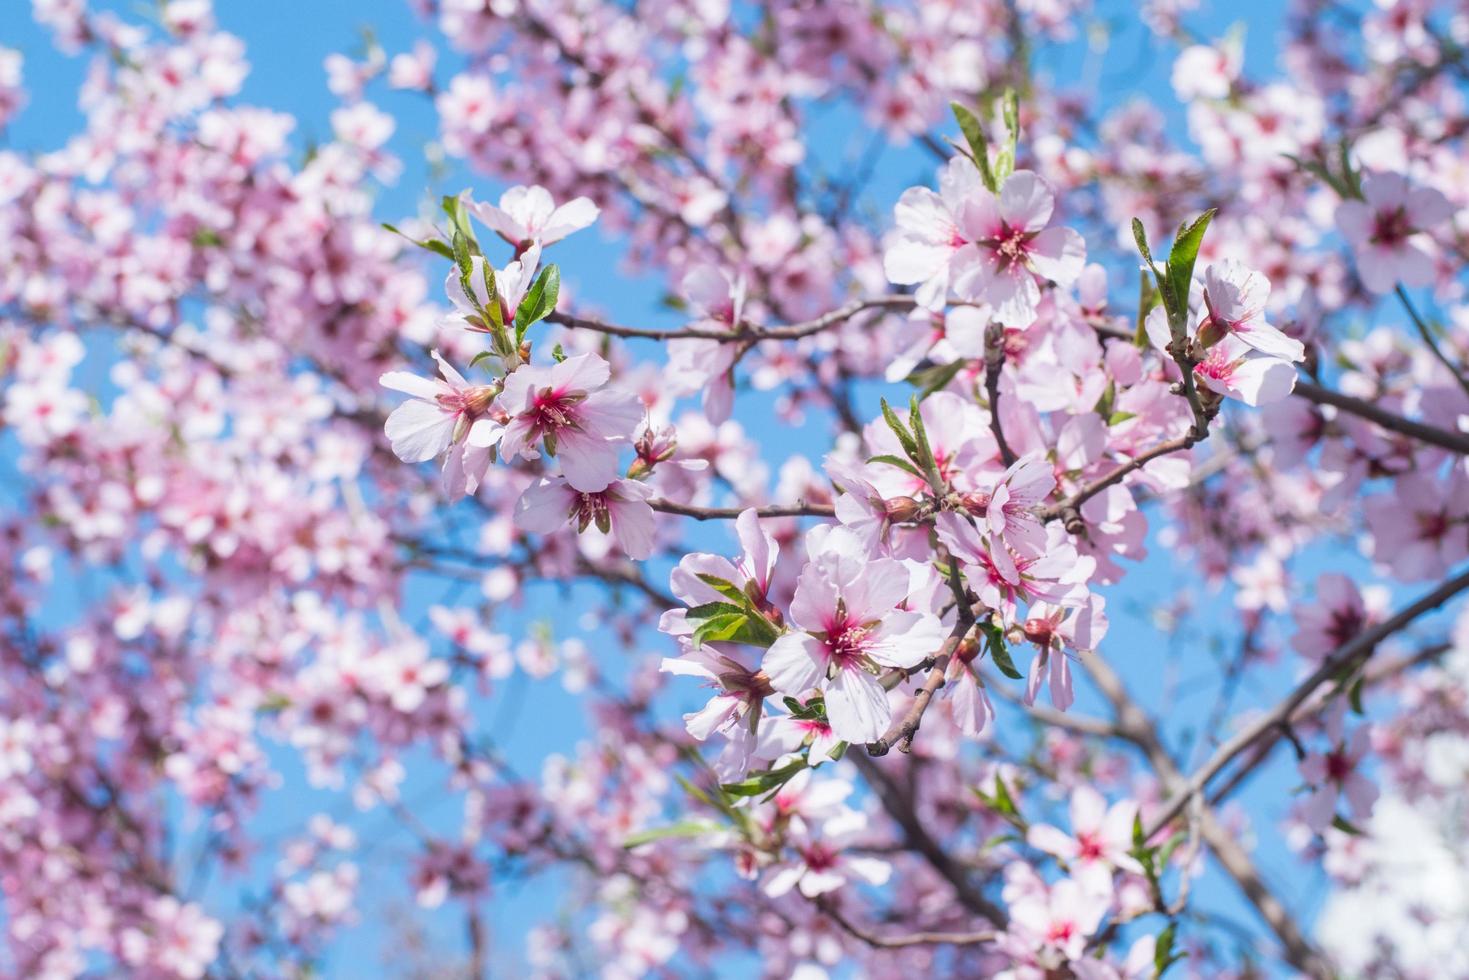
point(975, 502)
point(901, 510)
point(1039, 631)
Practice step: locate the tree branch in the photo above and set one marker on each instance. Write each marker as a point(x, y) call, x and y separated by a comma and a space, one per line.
point(1346, 656)
point(909, 939)
point(730, 513)
point(1452, 441)
point(740, 333)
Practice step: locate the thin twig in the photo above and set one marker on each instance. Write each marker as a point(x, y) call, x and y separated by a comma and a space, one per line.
point(1345, 657)
point(908, 939)
point(740, 333)
point(1427, 335)
point(730, 513)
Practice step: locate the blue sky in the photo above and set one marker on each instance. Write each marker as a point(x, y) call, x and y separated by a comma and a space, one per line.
point(287, 40)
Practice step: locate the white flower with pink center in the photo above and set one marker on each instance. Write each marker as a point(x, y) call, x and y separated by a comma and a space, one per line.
point(848, 630)
point(1388, 231)
point(620, 509)
point(1058, 920)
point(439, 414)
point(927, 250)
point(529, 215)
point(1014, 248)
point(1235, 297)
point(1099, 843)
point(1336, 774)
point(1236, 370)
point(565, 408)
point(823, 863)
point(696, 364)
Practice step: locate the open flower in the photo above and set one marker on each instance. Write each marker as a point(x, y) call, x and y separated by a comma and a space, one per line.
point(1387, 231)
point(929, 242)
point(1235, 296)
point(1099, 843)
point(529, 216)
point(701, 364)
point(750, 573)
point(619, 509)
point(564, 408)
point(822, 864)
point(1052, 628)
point(439, 414)
point(1336, 774)
point(1013, 248)
point(848, 629)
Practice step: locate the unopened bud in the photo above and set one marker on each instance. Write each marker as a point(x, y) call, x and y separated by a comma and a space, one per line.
point(975, 502)
point(967, 650)
point(1211, 331)
point(901, 510)
point(1038, 631)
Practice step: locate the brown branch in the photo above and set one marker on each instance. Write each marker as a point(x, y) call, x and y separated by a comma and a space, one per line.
point(730, 513)
point(741, 333)
point(908, 939)
point(1452, 441)
point(994, 362)
point(1139, 728)
point(1318, 704)
point(1068, 509)
point(1345, 657)
point(918, 839)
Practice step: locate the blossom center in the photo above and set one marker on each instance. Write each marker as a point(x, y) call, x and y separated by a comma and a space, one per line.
point(551, 410)
point(1391, 227)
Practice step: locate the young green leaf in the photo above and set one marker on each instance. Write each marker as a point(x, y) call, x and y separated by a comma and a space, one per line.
point(1182, 256)
point(973, 132)
point(690, 828)
point(539, 301)
point(904, 438)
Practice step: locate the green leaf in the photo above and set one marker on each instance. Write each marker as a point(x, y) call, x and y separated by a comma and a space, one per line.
point(920, 435)
point(1005, 160)
point(931, 379)
point(904, 438)
point(464, 259)
point(724, 587)
point(1116, 418)
point(1140, 235)
point(690, 828)
point(1183, 255)
point(900, 463)
point(1163, 955)
point(999, 652)
point(459, 219)
point(723, 622)
point(1346, 826)
point(481, 356)
point(1004, 803)
point(973, 132)
point(765, 781)
point(539, 301)
point(431, 244)
point(1354, 695)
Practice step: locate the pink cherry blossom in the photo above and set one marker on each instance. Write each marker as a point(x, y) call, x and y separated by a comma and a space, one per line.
point(529, 216)
point(847, 628)
point(439, 414)
point(1014, 248)
point(1388, 230)
point(566, 407)
point(619, 509)
point(1100, 841)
